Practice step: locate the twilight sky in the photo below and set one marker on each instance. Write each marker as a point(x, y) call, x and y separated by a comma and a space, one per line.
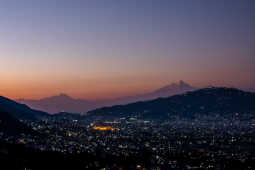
point(110, 48)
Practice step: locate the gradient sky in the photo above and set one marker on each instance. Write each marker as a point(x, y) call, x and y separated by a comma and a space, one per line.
point(110, 48)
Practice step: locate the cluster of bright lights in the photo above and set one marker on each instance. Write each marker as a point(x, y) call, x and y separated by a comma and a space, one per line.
point(104, 128)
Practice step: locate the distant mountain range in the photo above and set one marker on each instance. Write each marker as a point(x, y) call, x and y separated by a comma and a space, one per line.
point(166, 91)
point(208, 101)
point(60, 103)
point(65, 103)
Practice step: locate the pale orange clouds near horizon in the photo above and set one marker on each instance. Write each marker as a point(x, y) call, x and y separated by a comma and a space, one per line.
point(97, 90)
point(96, 50)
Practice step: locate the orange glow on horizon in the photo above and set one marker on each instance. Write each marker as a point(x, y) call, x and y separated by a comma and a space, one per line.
point(83, 89)
point(98, 88)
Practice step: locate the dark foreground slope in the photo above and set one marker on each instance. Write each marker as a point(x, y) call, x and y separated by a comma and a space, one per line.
point(18, 157)
point(10, 126)
point(20, 111)
point(208, 101)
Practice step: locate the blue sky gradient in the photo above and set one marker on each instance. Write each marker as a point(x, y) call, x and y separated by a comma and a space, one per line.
point(116, 47)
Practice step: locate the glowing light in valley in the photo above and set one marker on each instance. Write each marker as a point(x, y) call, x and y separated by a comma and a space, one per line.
point(104, 128)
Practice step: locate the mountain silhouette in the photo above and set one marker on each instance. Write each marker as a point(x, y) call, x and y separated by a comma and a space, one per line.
point(223, 101)
point(60, 103)
point(19, 111)
point(166, 91)
point(169, 90)
point(65, 103)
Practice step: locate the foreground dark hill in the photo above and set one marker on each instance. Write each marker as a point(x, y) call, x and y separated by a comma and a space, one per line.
point(10, 126)
point(19, 111)
point(207, 101)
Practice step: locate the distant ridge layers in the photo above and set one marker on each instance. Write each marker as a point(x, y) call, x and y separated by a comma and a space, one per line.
point(207, 101)
point(65, 103)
